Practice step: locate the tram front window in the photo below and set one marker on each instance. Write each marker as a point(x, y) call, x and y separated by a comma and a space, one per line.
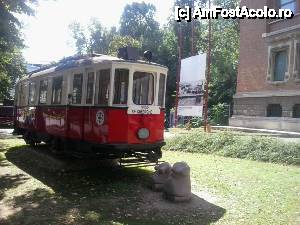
point(143, 88)
point(121, 86)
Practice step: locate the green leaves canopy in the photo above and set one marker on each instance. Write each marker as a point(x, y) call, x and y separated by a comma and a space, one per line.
point(11, 60)
point(138, 28)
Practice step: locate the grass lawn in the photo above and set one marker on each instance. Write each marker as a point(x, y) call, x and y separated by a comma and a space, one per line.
point(226, 191)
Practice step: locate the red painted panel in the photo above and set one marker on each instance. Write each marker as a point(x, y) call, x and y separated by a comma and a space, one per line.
point(75, 119)
point(154, 123)
point(55, 120)
point(118, 126)
point(115, 126)
point(96, 130)
point(40, 119)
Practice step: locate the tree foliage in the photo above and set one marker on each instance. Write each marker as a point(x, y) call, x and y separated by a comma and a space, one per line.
point(225, 55)
point(94, 38)
point(138, 21)
point(120, 42)
point(138, 28)
point(11, 60)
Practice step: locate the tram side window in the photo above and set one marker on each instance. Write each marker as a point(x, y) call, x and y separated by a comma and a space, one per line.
point(90, 88)
point(57, 90)
point(161, 90)
point(121, 86)
point(32, 91)
point(43, 91)
point(143, 88)
point(77, 88)
point(103, 91)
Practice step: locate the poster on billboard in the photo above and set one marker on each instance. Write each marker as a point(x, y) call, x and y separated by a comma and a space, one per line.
point(191, 86)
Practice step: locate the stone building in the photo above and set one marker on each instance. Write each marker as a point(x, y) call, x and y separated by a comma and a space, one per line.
point(268, 83)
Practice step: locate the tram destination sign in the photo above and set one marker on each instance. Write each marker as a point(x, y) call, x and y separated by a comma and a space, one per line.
point(143, 109)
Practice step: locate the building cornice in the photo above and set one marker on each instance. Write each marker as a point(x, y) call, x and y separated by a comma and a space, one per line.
point(288, 30)
point(262, 94)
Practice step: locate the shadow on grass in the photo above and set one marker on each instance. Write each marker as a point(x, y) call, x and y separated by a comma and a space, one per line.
point(103, 194)
point(10, 181)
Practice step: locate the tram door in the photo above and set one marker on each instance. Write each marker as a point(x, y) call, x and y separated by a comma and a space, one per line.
point(89, 117)
point(74, 108)
point(96, 93)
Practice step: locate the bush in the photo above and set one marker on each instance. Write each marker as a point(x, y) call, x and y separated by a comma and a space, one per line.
point(219, 114)
point(231, 145)
point(196, 122)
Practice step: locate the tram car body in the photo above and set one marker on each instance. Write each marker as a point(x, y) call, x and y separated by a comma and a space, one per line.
point(94, 106)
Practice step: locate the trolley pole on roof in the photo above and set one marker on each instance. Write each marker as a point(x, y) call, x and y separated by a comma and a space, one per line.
point(208, 71)
point(178, 72)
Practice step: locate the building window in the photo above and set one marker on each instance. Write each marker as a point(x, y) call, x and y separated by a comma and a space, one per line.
point(143, 88)
point(274, 110)
point(121, 86)
point(77, 88)
point(280, 64)
point(32, 91)
point(56, 90)
point(287, 4)
point(103, 87)
point(298, 60)
point(296, 111)
point(43, 91)
point(90, 88)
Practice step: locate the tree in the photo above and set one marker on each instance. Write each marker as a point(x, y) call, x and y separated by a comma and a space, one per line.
point(168, 55)
point(79, 36)
point(94, 38)
point(138, 22)
point(122, 41)
point(11, 61)
point(225, 52)
point(100, 37)
point(186, 28)
point(225, 56)
point(138, 28)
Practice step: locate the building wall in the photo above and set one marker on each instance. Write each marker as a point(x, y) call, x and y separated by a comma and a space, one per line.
point(255, 88)
point(283, 124)
point(258, 106)
point(253, 64)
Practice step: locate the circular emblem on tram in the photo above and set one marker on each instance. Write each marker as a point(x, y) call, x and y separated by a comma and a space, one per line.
point(100, 117)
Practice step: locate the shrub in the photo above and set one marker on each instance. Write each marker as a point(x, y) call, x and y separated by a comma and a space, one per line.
point(219, 114)
point(231, 145)
point(196, 122)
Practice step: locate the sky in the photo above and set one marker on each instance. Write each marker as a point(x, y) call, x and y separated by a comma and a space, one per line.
point(47, 36)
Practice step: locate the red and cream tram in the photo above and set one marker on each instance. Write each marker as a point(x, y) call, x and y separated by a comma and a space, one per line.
point(94, 105)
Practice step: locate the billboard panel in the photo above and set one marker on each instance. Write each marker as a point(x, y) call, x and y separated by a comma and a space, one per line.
point(191, 86)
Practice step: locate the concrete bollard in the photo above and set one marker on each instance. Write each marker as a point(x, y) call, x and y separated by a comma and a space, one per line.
point(161, 174)
point(177, 188)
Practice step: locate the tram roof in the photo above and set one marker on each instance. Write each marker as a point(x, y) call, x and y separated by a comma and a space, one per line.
point(86, 60)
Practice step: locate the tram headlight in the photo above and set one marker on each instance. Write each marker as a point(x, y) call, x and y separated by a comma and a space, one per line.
point(143, 133)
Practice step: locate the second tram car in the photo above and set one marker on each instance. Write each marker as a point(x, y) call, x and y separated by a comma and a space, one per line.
point(95, 105)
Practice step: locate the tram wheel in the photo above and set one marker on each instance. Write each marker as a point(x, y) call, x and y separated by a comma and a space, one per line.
point(154, 155)
point(56, 146)
point(28, 138)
